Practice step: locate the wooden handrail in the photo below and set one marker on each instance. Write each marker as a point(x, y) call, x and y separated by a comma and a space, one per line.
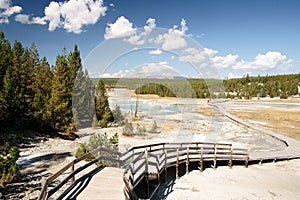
point(162, 156)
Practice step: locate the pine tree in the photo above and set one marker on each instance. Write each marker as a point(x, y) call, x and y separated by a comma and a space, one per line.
point(83, 102)
point(6, 57)
point(26, 87)
point(74, 65)
point(103, 111)
point(9, 101)
point(58, 106)
point(42, 89)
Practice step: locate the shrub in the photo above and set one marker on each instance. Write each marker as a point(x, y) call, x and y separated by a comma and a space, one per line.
point(128, 129)
point(83, 149)
point(118, 116)
point(98, 140)
point(140, 129)
point(8, 163)
point(153, 128)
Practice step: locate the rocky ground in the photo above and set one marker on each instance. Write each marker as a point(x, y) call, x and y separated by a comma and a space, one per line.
point(40, 158)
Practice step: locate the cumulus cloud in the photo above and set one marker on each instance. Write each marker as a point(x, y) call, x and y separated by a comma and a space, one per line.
point(119, 74)
point(25, 19)
point(224, 62)
point(194, 55)
point(154, 70)
point(148, 70)
point(173, 39)
point(135, 40)
point(71, 15)
point(270, 60)
point(150, 25)
point(155, 52)
point(121, 28)
point(7, 10)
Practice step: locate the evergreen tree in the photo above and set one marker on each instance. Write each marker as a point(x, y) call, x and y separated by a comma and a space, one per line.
point(26, 87)
point(42, 89)
point(117, 115)
point(34, 54)
point(5, 57)
point(9, 101)
point(83, 102)
point(103, 112)
point(58, 106)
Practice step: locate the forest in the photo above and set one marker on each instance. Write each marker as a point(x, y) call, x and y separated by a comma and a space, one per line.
point(282, 86)
point(38, 97)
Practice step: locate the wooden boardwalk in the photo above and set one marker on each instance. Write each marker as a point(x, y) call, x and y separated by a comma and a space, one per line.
point(106, 185)
point(147, 165)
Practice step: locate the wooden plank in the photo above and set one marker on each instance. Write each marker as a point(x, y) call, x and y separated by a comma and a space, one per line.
point(187, 161)
point(177, 164)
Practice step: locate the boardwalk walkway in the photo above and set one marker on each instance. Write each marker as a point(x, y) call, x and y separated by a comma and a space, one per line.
point(291, 151)
point(146, 165)
point(106, 185)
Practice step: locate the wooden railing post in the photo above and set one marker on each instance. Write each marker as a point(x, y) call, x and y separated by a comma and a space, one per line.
point(166, 166)
point(44, 189)
point(187, 160)
point(215, 156)
point(72, 170)
point(118, 163)
point(177, 163)
point(158, 169)
point(247, 160)
point(230, 158)
point(99, 161)
point(147, 173)
point(201, 160)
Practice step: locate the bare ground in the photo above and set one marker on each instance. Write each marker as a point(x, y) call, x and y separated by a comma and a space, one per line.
point(286, 122)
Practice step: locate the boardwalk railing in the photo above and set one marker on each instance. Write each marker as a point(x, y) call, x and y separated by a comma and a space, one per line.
point(146, 162)
point(100, 154)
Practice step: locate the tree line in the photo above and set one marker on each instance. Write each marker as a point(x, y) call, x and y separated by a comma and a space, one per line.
point(282, 86)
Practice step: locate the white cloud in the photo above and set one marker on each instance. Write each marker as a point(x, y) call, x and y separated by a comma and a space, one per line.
point(194, 55)
point(154, 70)
point(124, 28)
point(150, 25)
point(119, 74)
point(135, 40)
point(266, 61)
point(121, 28)
point(147, 70)
point(71, 15)
point(25, 19)
point(155, 52)
point(52, 14)
point(138, 38)
point(225, 61)
point(7, 10)
point(173, 39)
point(184, 28)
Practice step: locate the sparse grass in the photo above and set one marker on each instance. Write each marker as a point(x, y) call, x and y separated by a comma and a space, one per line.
point(286, 122)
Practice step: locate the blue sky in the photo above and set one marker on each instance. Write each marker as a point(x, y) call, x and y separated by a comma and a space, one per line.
point(239, 37)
